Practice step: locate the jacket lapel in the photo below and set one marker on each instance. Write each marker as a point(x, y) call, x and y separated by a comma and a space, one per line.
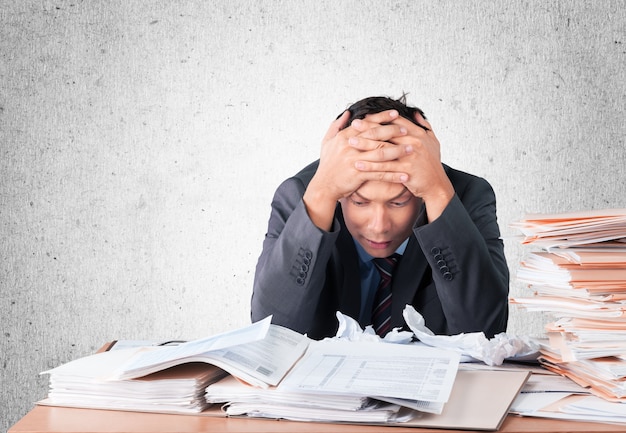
point(349, 295)
point(406, 280)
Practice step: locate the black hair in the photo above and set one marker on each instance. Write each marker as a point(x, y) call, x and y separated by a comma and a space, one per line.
point(376, 104)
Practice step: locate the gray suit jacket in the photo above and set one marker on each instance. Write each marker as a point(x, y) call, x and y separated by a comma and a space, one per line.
point(453, 270)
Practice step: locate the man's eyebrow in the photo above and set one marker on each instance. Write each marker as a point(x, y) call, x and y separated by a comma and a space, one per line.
point(399, 195)
point(360, 196)
point(391, 199)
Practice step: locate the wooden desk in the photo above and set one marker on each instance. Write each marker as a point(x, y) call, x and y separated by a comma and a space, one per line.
point(43, 419)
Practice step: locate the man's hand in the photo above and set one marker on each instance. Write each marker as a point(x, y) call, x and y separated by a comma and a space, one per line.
point(419, 160)
point(339, 175)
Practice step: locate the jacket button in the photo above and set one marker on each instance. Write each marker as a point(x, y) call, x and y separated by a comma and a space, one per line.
point(447, 276)
point(434, 251)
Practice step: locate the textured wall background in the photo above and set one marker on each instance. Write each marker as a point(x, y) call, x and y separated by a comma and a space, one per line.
point(141, 142)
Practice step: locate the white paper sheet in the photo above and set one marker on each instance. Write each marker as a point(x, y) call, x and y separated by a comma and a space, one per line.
point(163, 356)
point(371, 369)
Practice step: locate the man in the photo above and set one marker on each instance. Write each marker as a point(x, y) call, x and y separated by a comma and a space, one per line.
point(379, 190)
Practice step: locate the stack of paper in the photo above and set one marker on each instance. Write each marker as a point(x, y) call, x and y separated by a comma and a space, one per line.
point(174, 378)
point(262, 355)
point(243, 399)
point(83, 383)
point(278, 373)
point(579, 278)
point(351, 382)
point(605, 228)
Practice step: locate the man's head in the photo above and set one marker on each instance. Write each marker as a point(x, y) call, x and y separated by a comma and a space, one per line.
point(380, 215)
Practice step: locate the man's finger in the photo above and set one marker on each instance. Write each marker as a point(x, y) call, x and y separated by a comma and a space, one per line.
point(384, 132)
point(376, 150)
point(384, 176)
point(422, 122)
point(337, 125)
point(383, 117)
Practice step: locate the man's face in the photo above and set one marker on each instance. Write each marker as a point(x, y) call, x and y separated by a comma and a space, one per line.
point(380, 216)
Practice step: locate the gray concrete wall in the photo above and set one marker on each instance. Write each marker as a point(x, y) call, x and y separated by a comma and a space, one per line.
point(141, 142)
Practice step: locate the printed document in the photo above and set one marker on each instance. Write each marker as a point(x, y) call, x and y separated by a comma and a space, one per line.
point(409, 372)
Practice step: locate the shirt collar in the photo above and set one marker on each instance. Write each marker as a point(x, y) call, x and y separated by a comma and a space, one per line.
point(366, 258)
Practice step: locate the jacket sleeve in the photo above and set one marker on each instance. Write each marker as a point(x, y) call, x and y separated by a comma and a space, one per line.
point(291, 269)
point(466, 254)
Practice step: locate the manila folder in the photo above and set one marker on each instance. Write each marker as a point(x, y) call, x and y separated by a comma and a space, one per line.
point(480, 400)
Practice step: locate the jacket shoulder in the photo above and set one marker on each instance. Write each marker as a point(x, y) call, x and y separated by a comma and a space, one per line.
point(306, 174)
point(463, 181)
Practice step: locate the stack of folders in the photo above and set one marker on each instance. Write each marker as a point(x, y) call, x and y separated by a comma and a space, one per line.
point(578, 276)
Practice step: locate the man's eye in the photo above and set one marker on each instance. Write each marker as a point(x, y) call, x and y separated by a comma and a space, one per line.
point(398, 203)
point(358, 203)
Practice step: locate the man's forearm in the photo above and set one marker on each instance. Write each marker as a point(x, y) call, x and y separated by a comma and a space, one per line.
point(291, 270)
point(469, 269)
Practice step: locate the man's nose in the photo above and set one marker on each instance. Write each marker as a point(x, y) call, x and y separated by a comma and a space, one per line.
point(379, 220)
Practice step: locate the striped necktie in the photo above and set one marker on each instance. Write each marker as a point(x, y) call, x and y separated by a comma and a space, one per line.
point(381, 312)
